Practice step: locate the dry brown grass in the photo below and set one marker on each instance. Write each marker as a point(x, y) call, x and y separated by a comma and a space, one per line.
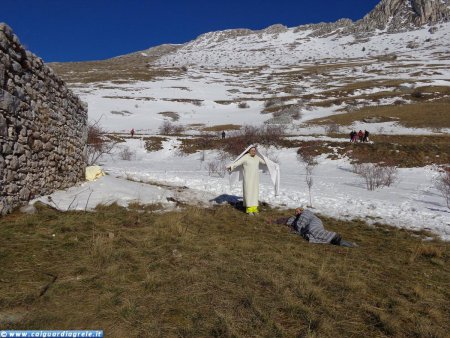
point(402, 151)
point(154, 143)
point(221, 127)
point(191, 101)
point(434, 114)
point(124, 69)
point(109, 70)
point(217, 273)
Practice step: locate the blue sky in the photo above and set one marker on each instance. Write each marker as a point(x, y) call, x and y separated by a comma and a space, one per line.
point(64, 30)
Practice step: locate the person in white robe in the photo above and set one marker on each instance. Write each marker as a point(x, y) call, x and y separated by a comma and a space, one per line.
point(246, 167)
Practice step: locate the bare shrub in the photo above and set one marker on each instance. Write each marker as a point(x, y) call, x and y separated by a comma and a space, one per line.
point(289, 110)
point(243, 105)
point(267, 135)
point(307, 155)
point(273, 101)
point(168, 128)
point(165, 128)
point(332, 128)
point(442, 184)
point(417, 94)
point(178, 129)
point(127, 154)
point(390, 174)
point(271, 153)
point(297, 115)
point(98, 143)
point(376, 175)
point(218, 165)
point(357, 168)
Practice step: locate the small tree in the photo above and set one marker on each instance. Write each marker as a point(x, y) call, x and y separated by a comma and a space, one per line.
point(309, 162)
point(98, 144)
point(442, 184)
point(309, 168)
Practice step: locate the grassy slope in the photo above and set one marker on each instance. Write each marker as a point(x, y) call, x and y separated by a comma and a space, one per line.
point(217, 273)
point(434, 114)
point(405, 151)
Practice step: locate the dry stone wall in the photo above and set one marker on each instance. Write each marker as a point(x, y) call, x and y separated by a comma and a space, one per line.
point(43, 127)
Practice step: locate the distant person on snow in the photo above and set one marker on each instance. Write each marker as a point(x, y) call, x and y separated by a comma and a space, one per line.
point(132, 132)
point(223, 134)
point(366, 136)
point(246, 167)
point(310, 227)
point(360, 136)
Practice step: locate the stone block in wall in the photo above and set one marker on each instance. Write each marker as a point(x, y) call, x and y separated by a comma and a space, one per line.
point(3, 125)
point(8, 102)
point(13, 163)
point(24, 194)
point(6, 148)
point(12, 189)
point(2, 75)
point(5, 207)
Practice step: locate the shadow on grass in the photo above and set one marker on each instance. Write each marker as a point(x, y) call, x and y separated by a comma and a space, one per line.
point(235, 201)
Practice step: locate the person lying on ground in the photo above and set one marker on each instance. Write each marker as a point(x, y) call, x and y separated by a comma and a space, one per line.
point(310, 227)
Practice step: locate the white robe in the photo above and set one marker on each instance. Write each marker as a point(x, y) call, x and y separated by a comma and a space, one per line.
point(246, 168)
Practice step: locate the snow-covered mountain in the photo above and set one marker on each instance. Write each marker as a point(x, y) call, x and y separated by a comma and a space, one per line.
point(399, 46)
point(393, 26)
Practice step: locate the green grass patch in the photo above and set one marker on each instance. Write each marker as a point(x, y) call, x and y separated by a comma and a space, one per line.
point(217, 273)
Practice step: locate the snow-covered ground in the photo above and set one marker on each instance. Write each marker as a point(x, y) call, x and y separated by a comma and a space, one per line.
point(254, 68)
point(411, 203)
point(219, 73)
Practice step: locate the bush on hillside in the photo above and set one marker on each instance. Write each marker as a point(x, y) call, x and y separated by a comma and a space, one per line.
point(127, 154)
point(376, 175)
point(168, 128)
point(332, 128)
point(266, 135)
point(219, 164)
point(243, 105)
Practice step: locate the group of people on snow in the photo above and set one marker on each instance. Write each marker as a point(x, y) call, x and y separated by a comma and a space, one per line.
point(359, 136)
point(246, 167)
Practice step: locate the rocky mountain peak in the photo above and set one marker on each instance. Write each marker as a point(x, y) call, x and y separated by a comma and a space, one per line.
point(400, 15)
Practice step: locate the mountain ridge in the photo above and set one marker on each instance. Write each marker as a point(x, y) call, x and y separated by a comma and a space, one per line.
point(392, 27)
